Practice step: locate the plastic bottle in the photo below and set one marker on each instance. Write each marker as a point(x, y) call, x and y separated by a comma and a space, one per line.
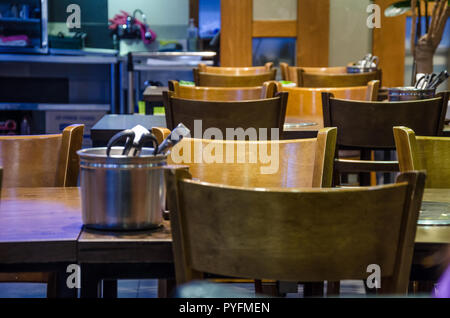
point(192, 36)
point(25, 127)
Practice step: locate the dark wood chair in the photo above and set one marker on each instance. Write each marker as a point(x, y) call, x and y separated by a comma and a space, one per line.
point(367, 126)
point(267, 90)
point(264, 113)
point(301, 163)
point(305, 103)
point(40, 161)
point(307, 79)
point(294, 234)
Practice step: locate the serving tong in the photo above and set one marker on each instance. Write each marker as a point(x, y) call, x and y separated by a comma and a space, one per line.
point(430, 81)
point(369, 61)
point(136, 137)
point(368, 64)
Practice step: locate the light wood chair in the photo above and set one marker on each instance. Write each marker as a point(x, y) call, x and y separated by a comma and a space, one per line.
point(306, 103)
point(289, 73)
point(40, 161)
point(367, 126)
point(294, 234)
point(226, 80)
point(431, 154)
point(300, 163)
point(252, 70)
point(262, 113)
point(267, 90)
point(213, 76)
point(306, 79)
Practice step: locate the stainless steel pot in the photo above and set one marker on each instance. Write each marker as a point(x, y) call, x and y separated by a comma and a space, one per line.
point(120, 192)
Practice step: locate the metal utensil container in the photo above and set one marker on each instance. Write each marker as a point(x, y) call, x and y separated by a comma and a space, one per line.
point(397, 94)
point(352, 69)
point(120, 192)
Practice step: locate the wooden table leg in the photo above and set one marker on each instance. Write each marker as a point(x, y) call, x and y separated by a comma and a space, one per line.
point(62, 290)
point(109, 288)
point(57, 284)
point(90, 281)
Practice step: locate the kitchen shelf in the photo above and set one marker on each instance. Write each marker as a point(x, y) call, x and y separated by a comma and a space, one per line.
point(58, 107)
point(19, 20)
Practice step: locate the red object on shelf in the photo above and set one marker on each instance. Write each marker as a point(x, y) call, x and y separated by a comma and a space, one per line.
point(8, 125)
point(120, 19)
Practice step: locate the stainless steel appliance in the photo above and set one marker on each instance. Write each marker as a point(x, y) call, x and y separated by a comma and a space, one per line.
point(120, 192)
point(23, 26)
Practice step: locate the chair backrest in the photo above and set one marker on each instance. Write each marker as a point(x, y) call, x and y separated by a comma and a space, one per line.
point(431, 154)
point(286, 163)
point(226, 80)
point(369, 124)
point(252, 70)
point(306, 103)
point(267, 90)
point(289, 73)
point(294, 234)
point(306, 79)
point(42, 160)
point(263, 113)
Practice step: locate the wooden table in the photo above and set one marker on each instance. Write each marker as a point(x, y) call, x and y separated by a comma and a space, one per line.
point(110, 256)
point(41, 229)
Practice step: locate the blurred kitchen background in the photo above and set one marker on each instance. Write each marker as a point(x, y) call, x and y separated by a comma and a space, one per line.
point(52, 75)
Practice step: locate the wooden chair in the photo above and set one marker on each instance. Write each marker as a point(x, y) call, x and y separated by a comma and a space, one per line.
point(306, 103)
point(40, 161)
point(225, 80)
point(252, 70)
point(289, 73)
point(431, 154)
point(294, 234)
point(367, 126)
point(264, 113)
point(267, 90)
point(306, 79)
point(300, 163)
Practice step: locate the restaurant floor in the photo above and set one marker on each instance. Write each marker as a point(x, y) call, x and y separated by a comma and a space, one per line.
point(148, 289)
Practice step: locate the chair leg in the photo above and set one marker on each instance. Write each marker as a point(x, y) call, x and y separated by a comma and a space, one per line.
point(313, 289)
point(333, 288)
point(52, 286)
point(271, 289)
point(166, 287)
point(258, 286)
point(425, 287)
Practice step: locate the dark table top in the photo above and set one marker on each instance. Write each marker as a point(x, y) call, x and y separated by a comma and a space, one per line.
point(39, 225)
point(44, 225)
point(122, 122)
